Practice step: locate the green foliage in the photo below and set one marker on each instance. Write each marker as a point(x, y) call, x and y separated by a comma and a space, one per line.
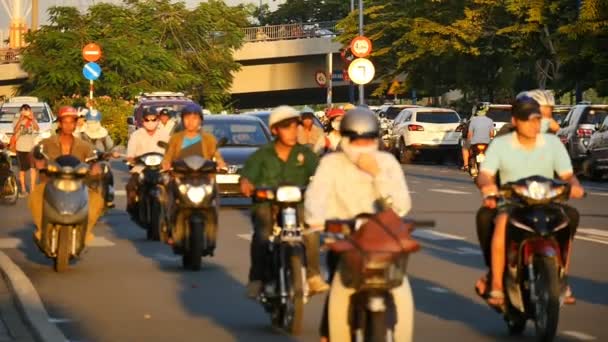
point(303, 11)
point(147, 45)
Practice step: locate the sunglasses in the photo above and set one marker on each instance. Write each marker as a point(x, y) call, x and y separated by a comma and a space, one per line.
point(150, 120)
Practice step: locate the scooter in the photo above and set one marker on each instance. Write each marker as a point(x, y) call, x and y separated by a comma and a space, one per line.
point(195, 207)
point(285, 290)
point(371, 277)
point(9, 191)
point(65, 209)
point(478, 155)
point(151, 197)
point(537, 245)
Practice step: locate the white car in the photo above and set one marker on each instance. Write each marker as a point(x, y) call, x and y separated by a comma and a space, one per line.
point(425, 129)
point(9, 113)
point(499, 113)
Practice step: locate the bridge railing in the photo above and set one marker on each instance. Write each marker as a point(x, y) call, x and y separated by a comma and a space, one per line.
point(9, 56)
point(291, 31)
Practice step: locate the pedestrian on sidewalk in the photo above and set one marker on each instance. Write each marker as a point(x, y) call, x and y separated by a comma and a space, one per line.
point(24, 133)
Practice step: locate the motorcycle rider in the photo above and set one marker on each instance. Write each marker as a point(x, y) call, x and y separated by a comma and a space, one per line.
point(330, 142)
point(193, 141)
point(546, 101)
point(308, 132)
point(283, 160)
point(143, 140)
point(167, 123)
point(480, 131)
point(524, 153)
point(348, 183)
point(65, 143)
point(95, 134)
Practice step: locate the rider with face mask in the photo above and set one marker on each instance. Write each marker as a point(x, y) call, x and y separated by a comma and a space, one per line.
point(95, 134)
point(142, 141)
point(331, 141)
point(348, 183)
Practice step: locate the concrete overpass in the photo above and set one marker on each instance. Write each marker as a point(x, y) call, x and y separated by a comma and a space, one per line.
point(279, 64)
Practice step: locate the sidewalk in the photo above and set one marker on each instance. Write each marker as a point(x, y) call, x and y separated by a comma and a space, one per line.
point(12, 324)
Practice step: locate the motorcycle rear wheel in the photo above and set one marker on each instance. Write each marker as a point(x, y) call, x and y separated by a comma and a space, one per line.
point(62, 259)
point(547, 286)
point(293, 312)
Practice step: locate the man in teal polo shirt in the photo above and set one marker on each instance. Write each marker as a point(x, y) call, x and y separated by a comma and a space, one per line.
point(282, 161)
point(521, 154)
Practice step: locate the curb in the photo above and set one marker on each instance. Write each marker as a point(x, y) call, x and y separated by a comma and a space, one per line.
point(29, 303)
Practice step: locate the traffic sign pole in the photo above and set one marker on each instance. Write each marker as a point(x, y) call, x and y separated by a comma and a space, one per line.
point(91, 92)
point(330, 82)
point(361, 86)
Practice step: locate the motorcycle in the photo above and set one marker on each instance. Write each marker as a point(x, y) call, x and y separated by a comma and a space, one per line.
point(151, 197)
point(537, 247)
point(65, 209)
point(478, 155)
point(107, 178)
point(9, 191)
point(371, 277)
point(285, 290)
point(195, 206)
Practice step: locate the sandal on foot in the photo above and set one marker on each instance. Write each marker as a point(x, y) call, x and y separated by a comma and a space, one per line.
point(569, 298)
point(496, 298)
point(481, 287)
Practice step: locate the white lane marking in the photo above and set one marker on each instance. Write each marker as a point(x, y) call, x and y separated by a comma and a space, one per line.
point(578, 335)
point(469, 251)
point(244, 236)
point(437, 289)
point(120, 192)
point(605, 194)
point(59, 320)
point(451, 192)
point(10, 243)
point(592, 235)
point(435, 235)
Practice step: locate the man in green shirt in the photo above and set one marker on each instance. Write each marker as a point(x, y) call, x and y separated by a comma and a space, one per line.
point(282, 161)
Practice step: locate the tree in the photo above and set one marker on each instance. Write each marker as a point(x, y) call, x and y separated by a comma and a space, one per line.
point(147, 45)
point(307, 11)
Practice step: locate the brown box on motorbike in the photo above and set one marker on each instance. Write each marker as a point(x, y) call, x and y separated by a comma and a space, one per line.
point(377, 253)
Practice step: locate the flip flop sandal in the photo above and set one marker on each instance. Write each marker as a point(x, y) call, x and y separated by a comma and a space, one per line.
point(569, 298)
point(496, 298)
point(482, 282)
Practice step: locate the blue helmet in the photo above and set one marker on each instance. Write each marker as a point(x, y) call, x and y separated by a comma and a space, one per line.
point(93, 115)
point(192, 108)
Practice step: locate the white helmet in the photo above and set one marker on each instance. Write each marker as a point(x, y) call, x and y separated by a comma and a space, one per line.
point(282, 113)
point(543, 97)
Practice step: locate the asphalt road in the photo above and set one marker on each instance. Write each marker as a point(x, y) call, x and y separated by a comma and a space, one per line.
point(127, 289)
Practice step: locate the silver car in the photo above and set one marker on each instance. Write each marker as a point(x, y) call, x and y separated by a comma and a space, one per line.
point(578, 127)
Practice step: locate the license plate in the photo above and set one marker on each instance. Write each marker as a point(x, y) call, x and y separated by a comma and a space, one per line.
point(227, 179)
point(480, 158)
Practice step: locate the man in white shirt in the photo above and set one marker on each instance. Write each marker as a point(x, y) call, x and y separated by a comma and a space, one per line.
point(142, 141)
point(167, 123)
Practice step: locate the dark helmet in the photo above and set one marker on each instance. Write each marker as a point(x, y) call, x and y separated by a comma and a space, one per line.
point(151, 111)
point(525, 107)
point(360, 123)
point(192, 108)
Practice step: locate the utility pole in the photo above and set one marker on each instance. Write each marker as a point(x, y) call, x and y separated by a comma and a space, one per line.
point(361, 87)
point(34, 15)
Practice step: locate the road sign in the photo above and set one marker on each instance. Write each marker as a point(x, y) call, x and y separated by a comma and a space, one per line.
point(91, 52)
point(361, 71)
point(91, 71)
point(361, 46)
point(321, 78)
point(347, 56)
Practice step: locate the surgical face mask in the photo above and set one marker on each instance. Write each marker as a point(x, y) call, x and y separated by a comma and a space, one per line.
point(93, 125)
point(336, 125)
point(353, 153)
point(150, 125)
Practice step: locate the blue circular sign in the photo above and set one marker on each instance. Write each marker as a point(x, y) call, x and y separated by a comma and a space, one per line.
point(91, 71)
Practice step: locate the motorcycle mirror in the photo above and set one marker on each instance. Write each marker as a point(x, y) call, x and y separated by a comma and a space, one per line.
point(162, 144)
point(223, 141)
point(38, 152)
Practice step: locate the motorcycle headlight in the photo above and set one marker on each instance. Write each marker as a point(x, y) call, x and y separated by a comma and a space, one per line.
point(153, 160)
point(539, 190)
point(289, 194)
point(67, 185)
point(196, 194)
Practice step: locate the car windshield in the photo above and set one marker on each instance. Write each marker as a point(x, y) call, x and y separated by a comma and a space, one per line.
point(392, 112)
point(11, 114)
point(593, 116)
point(265, 116)
point(174, 109)
point(499, 114)
point(437, 117)
point(237, 133)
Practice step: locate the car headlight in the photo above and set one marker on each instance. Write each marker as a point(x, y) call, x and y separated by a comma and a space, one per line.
point(45, 135)
point(289, 194)
point(539, 190)
point(196, 194)
point(153, 160)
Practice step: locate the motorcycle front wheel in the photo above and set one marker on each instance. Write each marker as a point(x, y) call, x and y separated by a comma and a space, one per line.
point(62, 259)
point(293, 312)
point(194, 253)
point(546, 307)
point(376, 329)
point(11, 190)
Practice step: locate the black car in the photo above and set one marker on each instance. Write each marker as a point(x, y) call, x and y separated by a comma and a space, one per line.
point(265, 116)
point(243, 135)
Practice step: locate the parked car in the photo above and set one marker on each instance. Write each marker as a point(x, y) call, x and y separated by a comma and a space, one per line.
point(390, 112)
point(426, 129)
point(265, 116)
point(239, 136)
point(9, 113)
point(595, 165)
point(578, 127)
point(560, 112)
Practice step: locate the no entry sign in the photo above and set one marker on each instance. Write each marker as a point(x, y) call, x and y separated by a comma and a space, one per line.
point(91, 52)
